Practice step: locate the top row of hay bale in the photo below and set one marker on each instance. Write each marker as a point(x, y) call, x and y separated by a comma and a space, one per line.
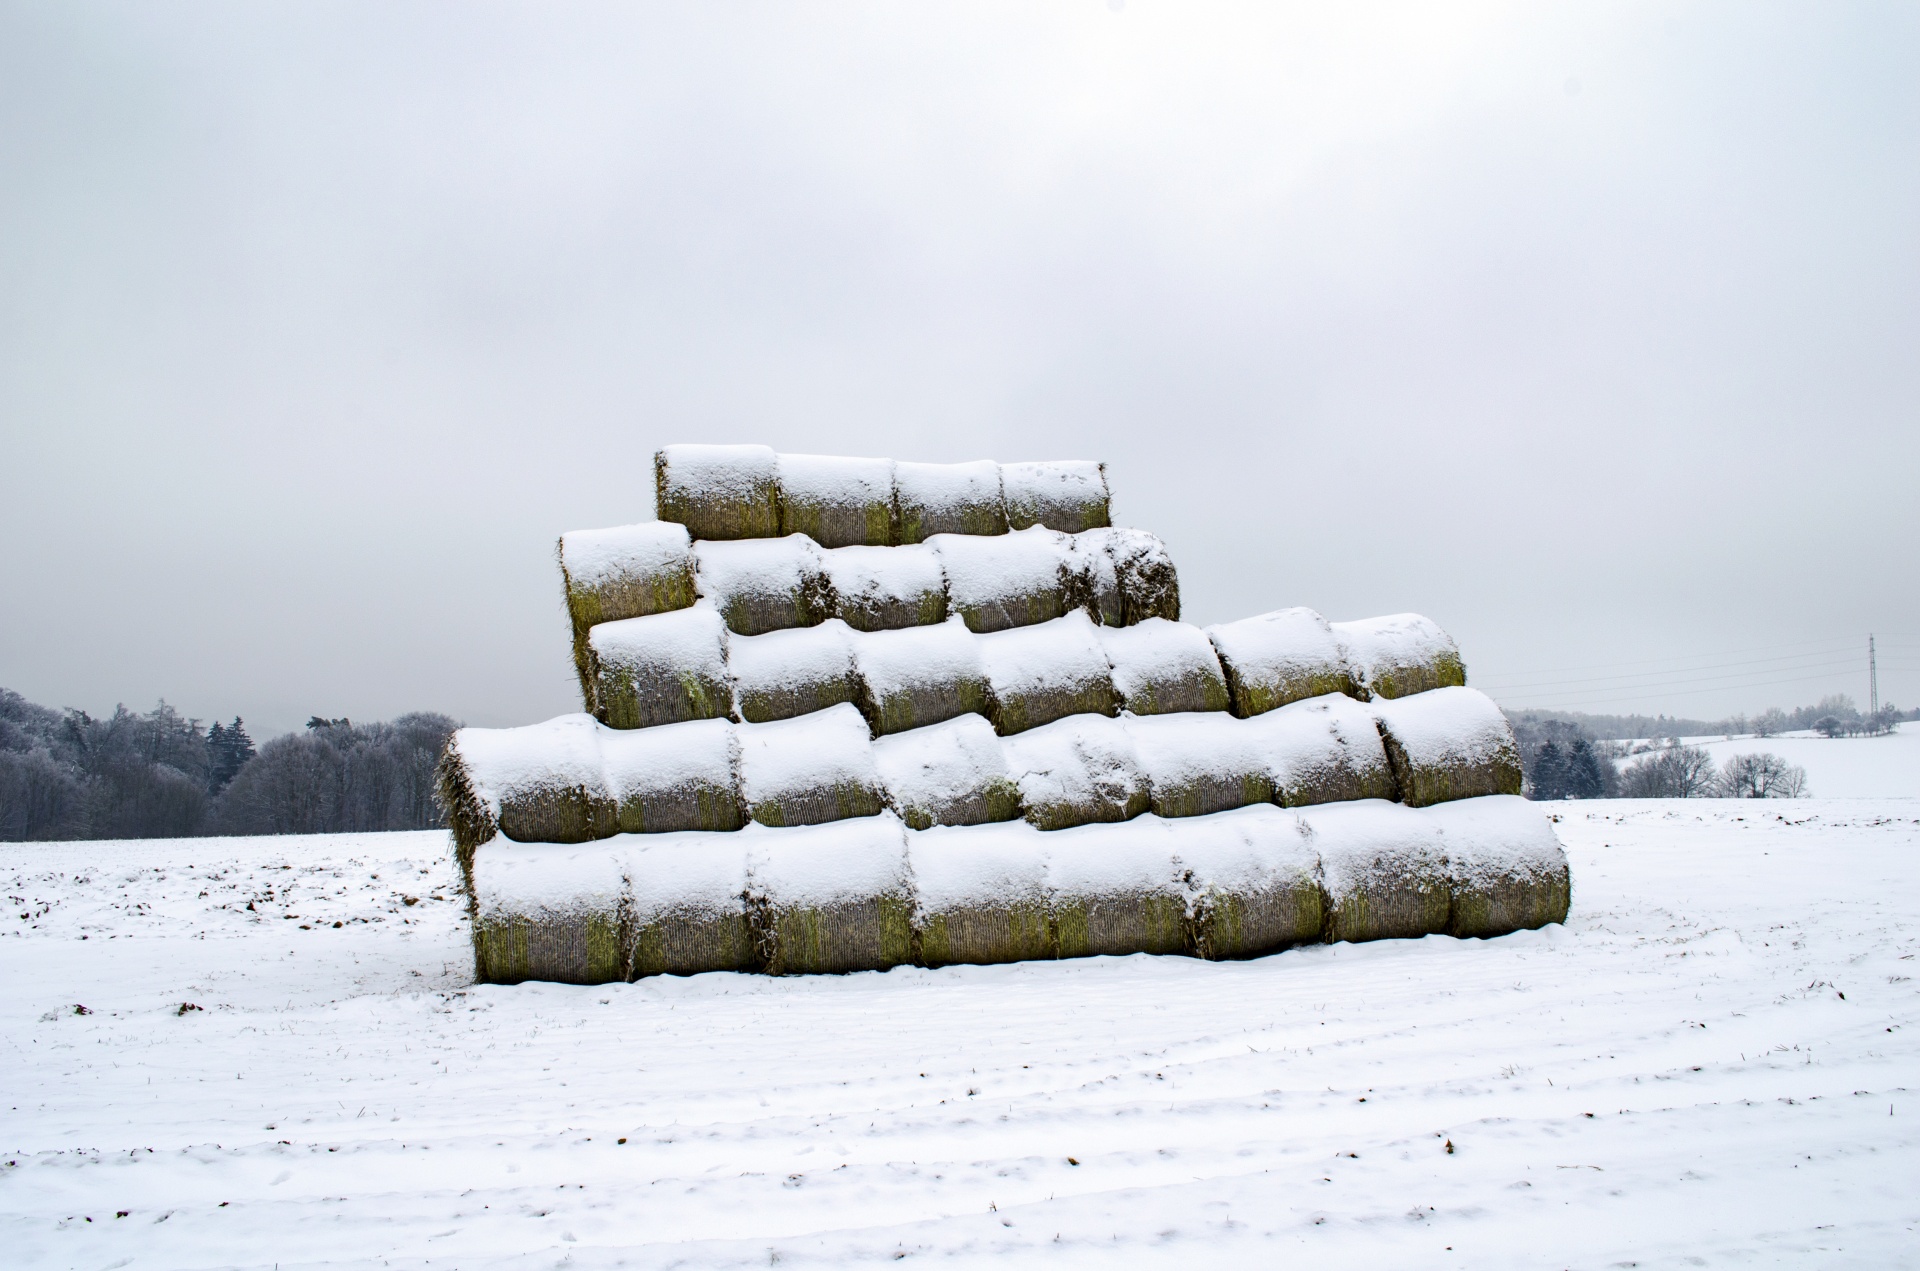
point(732, 492)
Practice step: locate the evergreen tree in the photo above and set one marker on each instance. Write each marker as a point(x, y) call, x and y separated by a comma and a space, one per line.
point(1549, 775)
point(230, 749)
point(1584, 780)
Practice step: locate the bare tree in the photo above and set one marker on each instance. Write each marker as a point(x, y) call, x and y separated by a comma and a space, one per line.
point(1762, 776)
point(1675, 772)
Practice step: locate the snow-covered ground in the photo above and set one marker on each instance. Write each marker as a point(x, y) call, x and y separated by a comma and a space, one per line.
point(1838, 767)
point(1713, 1062)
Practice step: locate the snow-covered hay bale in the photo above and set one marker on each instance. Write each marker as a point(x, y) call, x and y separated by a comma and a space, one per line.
point(629, 571)
point(886, 588)
point(1011, 580)
point(1047, 672)
point(1326, 749)
point(1160, 667)
point(1252, 882)
point(765, 584)
point(837, 502)
point(543, 783)
point(1280, 657)
point(1508, 870)
point(1113, 889)
point(1383, 868)
point(810, 769)
point(1127, 576)
point(981, 894)
point(1401, 654)
point(1076, 771)
point(786, 673)
point(832, 897)
point(1200, 763)
point(661, 669)
point(719, 492)
point(920, 676)
point(947, 498)
point(543, 912)
point(675, 777)
point(1069, 495)
point(688, 904)
point(1450, 743)
point(947, 774)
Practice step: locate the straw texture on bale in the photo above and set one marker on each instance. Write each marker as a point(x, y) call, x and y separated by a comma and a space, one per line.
point(677, 777)
point(1042, 673)
point(543, 783)
point(662, 669)
point(1137, 573)
point(1014, 580)
point(1280, 657)
point(981, 895)
point(1325, 749)
point(719, 492)
point(1508, 871)
point(1196, 764)
point(947, 498)
point(1446, 744)
point(689, 911)
point(1076, 771)
point(765, 584)
point(1068, 495)
point(787, 673)
point(626, 572)
point(1162, 667)
point(837, 502)
point(1384, 871)
point(808, 770)
point(1401, 654)
point(920, 676)
point(947, 774)
point(1252, 882)
point(549, 913)
point(1113, 890)
point(886, 588)
point(838, 898)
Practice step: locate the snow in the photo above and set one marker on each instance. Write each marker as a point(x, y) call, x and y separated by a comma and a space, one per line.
point(1445, 727)
point(1673, 1078)
point(1075, 770)
point(778, 574)
point(1156, 660)
point(788, 661)
point(968, 866)
point(1271, 652)
point(808, 755)
point(645, 763)
point(902, 582)
point(937, 770)
point(998, 581)
point(1060, 659)
point(941, 498)
point(594, 558)
point(664, 646)
point(536, 880)
point(913, 659)
point(1205, 757)
point(1320, 744)
point(1378, 647)
point(847, 862)
point(735, 472)
point(687, 873)
point(836, 481)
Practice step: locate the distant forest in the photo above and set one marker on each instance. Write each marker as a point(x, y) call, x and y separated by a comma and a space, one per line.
point(67, 775)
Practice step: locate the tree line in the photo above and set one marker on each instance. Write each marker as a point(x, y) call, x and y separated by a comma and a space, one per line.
point(158, 774)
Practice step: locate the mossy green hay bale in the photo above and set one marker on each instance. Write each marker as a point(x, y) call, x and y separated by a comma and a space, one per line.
point(1275, 658)
point(1447, 744)
point(1144, 582)
point(675, 777)
point(1197, 764)
point(627, 572)
point(809, 770)
point(1252, 882)
point(1015, 580)
point(1401, 654)
point(719, 492)
point(1069, 495)
point(951, 773)
point(1508, 870)
point(663, 669)
point(1042, 673)
point(765, 585)
point(920, 676)
point(1324, 750)
point(1115, 890)
point(981, 893)
point(947, 498)
point(1077, 771)
point(837, 502)
point(540, 783)
point(832, 898)
point(887, 588)
point(543, 912)
point(787, 673)
point(1383, 869)
point(1164, 668)
point(689, 905)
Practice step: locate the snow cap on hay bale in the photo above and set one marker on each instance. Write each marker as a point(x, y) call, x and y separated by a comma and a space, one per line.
point(1127, 576)
point(1114, 889)
point(947, 498)
point(1280, 657)
point(665, 668)
point(947, 774)
point(626, 572)
point(1401, 654)
point(1076, 771)
point(1042, 673)
point(719, 492)
point(543, 912)
point(1160, 667)
point(1508, 870)
point(1324, 750)
point(920, 676)
point(1253, 882)
point(811, 769)
point(1200, 763)
point(832, 897)
point(886, 588)
point(675, 777)
point(1446, 744)
point(766, 584)
point(1014, 580)
point(1069, 495)
point(837, 502)
point(543, 783)
point(689, 904)
point(787, 673)
point(1383, 868)
point(981, 894)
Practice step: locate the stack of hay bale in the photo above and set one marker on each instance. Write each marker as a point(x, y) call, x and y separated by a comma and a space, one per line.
point(845, 714)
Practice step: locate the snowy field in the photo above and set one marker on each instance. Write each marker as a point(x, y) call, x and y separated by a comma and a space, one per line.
point(1712, 1063)
point(1838, 767)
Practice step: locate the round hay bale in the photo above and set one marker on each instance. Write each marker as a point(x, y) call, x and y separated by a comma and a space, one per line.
point(542, 783)
point(719, 492)
point(1127, 576)
point(831, 898)
point(950, 773)
point(626, 572)
point(688, 904)
point(1446, 744)
point(787, 673)
point(543, 912)
point(1508, 870)
point(947, 498)
point(1401, 654)
point(981, 894)
point(1383, 868)
point(675, 777)
point(920, 676)
point(1325, 749)
point(1042, 673)
point(1252, 882)
point(1076, 771)
point(1197, 764)
point(887, 588)
point(1114, 890)
point(767, 584)
point(808, 770)
point(1162, 667)
point(1284, 656)
point(1069, 495)
point(1014, 580)
point(837, 502)
point(662, 669)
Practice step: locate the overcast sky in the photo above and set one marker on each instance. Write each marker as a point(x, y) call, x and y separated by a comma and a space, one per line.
point(1592, 332)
